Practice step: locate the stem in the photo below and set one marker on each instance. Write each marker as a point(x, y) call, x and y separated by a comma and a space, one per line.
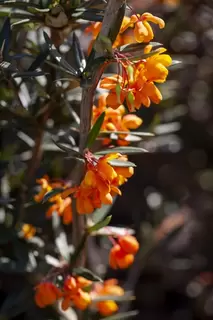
point(85, 116)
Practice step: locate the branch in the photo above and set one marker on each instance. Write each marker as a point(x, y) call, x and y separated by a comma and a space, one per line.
point(109, 19)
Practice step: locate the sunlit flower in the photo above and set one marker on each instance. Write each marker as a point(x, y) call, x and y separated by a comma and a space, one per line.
point(136, 86)
point(142, 30)
point(123, 252)
point(46, 294)
point(59, 203)
point(101, 182)
point(108, 288)
point(115, 120)
point(74, 293)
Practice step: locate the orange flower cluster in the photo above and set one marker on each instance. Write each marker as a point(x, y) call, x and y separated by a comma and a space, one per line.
point(136, 86)
point(78, 292)
point(142, 31)
point(101, 182)
point(123, 252)
point(59, 204)
point(72, 293)
point(115, 120)
point(108, 288)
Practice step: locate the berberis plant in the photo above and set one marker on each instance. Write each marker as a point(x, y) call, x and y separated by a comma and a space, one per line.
point(43, 71)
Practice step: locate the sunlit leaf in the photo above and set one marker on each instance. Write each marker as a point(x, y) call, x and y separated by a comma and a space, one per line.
point(86, 273)
point(119, 163)
point(58, 57)
point(100, 224)
point(128, 296)
point(95, 130)
point(100, 213)
point(122, 150)
point(79, 54)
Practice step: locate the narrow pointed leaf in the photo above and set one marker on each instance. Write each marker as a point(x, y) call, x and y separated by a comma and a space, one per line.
point(79, 54)
point(128, 296)
point(39, 59)
point(86, 273)
point(5, 35)
point(119, 163)
point(100, 224)
point(58, 57)
point(95, 130)
point(122, 150)
point(115, 28)
point(52, 193)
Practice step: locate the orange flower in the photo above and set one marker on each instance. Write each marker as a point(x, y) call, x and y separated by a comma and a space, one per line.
point(100, 183)
point(119, 259)
point(129, 244)
point(115, 120)
point(28, 231)
point(60, 204)
point(122, 39)
point(109, 287)
point(74, 293)
point(136, 86)
point(46, 294)
point(142, 30)
point(122, 253)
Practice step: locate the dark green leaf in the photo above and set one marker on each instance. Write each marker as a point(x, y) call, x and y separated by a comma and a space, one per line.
point(102, 44)
point(122, 150)
point(5, 35)
point(115, 28)
point(79, 54)
point(95, 130)
point(39, 59)
point(121, 316)
point(66, 148)
point(134, 47)
point(119, 163)
point(28, 74)
point(100, 224)
point(86, 273)
point(58, 57)
point(52, 193)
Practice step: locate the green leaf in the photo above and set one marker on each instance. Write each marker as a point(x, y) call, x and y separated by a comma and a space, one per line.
point(66, 148)
point(58, 57)
point(135, 47)
point(5, 35)
point(39, 59)
point(115, 28)
point(122, 150)
point(51, 194)
point(100, 213)
point(119, 163)
point(86, 273)
point(103, 44)
point(100, 224)
point(79, 54)
point(95, 130)
point(126, 297)
point(121, 316)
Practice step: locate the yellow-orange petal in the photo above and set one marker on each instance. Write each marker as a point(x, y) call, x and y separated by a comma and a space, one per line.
point(106, 308)
point(129, 244)
point(131, 121)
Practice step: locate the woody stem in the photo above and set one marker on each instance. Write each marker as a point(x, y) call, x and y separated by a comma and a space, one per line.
point(79, 222)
